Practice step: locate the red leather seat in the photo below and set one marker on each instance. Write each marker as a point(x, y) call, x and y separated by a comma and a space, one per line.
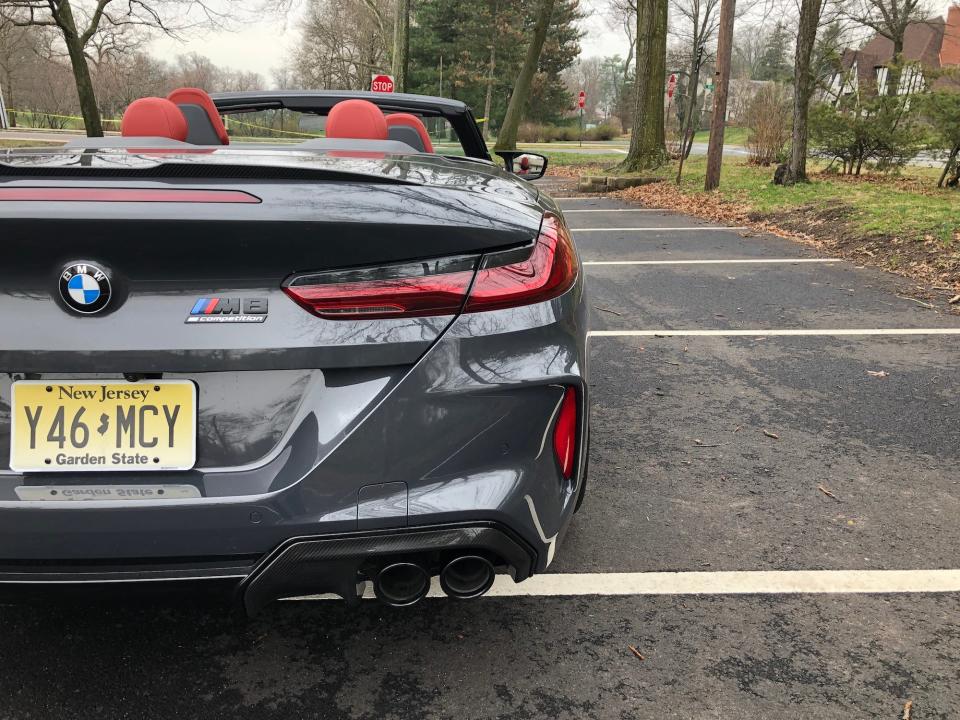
point(357, 119)
point(153, 117)
point(212, 126)
point(411, 121)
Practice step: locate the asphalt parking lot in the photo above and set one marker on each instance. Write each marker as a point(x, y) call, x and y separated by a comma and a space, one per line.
point(722, 442)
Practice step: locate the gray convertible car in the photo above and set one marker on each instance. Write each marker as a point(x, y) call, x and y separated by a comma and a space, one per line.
point(278, 370)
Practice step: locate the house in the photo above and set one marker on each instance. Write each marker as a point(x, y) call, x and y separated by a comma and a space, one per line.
point(928, 48)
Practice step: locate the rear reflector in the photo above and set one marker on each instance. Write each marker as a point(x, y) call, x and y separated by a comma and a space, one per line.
point(549, 270)
point(435, 287)
point(92, 194)
point(539, 271)
point(565, 433)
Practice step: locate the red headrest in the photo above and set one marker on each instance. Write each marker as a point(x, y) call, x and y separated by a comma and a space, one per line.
point(414, 122)
point(196, 96)
point(153, 117)
point(359, 119)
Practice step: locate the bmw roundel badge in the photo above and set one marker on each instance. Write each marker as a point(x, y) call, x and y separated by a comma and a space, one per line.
point(85, 288)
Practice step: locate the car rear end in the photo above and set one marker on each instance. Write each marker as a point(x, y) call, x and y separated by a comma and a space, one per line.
point(282, 385)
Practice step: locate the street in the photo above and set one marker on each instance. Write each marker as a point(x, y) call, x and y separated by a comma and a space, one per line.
point(712, 452)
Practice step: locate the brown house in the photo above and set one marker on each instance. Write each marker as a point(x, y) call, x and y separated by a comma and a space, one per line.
point(928, 48)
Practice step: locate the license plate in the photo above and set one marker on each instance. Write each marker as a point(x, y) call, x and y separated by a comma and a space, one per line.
point(64, 426)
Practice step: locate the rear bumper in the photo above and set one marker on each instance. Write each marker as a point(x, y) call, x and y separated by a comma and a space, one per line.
point(300, 566)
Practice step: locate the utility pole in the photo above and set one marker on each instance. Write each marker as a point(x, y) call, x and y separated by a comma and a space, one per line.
point(722, 82)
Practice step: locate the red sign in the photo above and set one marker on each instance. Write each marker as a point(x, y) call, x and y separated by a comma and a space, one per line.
point(671, 85)
point(582, 99)
point(382, 83)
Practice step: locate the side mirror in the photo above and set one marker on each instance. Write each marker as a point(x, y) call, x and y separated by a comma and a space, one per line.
point(529, 166)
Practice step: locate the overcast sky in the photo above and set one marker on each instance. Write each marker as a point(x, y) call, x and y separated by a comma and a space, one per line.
point(265, 46)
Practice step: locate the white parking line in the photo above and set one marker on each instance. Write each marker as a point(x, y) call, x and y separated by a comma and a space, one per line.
point(785, 333)
point(767, 582)
point(611, 210)
point(659, 229)
point(756, 261)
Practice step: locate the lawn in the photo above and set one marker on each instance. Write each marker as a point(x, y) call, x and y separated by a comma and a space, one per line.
point(908, 206)
point(28, 143)
point(731, 136)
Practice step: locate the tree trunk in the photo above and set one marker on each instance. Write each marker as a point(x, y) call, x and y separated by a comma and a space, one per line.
point(691, 109)
point(507, 137)
point(648, 147)
point(401, 45)
point(949, 164)
point(722, 84)
point(893, 70)
point(803, 78)
point(81, 73)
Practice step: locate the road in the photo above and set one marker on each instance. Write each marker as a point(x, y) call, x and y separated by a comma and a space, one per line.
point(712, 452)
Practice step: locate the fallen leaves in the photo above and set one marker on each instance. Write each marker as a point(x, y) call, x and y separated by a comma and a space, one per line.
point(771, 434)
point(954, 300)
point(907, 709)
point(878, 373)
point(636, 652)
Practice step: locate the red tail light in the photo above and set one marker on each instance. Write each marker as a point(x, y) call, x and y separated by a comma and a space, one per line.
point(534, 273)
point(565, 433)
point(549, 270)
point(437, 287)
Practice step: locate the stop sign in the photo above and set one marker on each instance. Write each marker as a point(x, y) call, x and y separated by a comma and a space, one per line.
point(582, 99)
point(382, 83)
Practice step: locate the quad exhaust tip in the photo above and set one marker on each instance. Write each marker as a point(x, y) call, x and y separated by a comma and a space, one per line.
point(467, 576)
point(401, 584)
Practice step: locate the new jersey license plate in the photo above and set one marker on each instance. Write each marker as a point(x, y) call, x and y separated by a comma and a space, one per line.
point(64, 426)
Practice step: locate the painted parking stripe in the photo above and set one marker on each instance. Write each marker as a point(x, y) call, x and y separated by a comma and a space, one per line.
point(740, 261)
point(784, 333)
point(613, 210)
point(659, 229)
point(766, 582)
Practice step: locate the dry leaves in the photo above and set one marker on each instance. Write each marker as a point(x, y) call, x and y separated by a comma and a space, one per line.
point(771, 434)
point(878, 373)
point(636, 652)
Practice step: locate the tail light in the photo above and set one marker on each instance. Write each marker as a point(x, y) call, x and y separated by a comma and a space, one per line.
point(436, 287)
point(548, 270)
point(565, 433)
point(540, 271)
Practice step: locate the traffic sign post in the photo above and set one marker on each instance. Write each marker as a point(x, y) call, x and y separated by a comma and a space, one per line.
point(581, 101)
point(4, 123)
point(382, 83)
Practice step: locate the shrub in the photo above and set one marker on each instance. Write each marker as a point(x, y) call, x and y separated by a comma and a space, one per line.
point(601, 132)
point(882, 129)
point(768, 117)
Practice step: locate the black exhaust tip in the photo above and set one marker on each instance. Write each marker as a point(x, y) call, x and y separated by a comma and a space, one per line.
point(401, 584)
point(467, 576)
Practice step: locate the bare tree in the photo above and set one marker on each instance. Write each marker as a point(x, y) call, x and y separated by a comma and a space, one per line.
point(647, 142)
point(890, 19)
point(507, 137)
point(804, 83)
point(78, 22)
point(341, 44)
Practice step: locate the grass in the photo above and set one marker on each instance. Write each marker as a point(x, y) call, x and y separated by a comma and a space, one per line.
point(28, 143)
point(569, 159)
point(909, 205)
point(731, 136)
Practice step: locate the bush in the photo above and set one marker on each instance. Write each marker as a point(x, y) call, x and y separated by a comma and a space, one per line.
point(942, 111)
point(768, 117)
point(601, 132)
point(529, 132)
point(883, 129)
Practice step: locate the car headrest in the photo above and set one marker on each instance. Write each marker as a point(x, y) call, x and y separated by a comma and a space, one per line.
point(153, 117)
point(359, 119)
point(203, 120)
point(397, 125)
